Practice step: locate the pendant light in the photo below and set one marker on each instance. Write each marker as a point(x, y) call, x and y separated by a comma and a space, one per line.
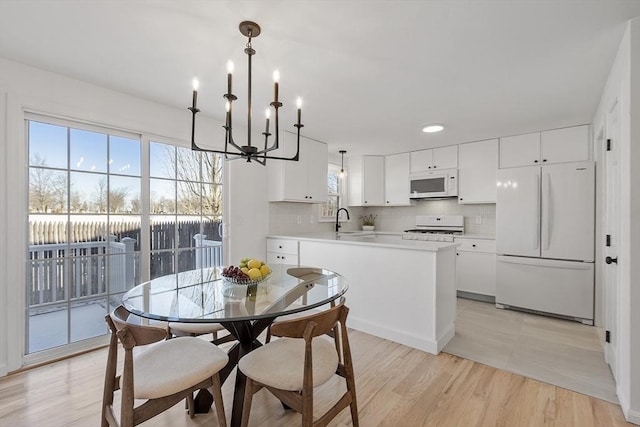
point(342, 174)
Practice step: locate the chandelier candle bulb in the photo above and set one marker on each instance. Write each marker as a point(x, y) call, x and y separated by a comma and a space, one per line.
point(299, 105)
point(196, 86)
point(267, 114)
point(276, 82)
point(227, 107)
point(229, 74)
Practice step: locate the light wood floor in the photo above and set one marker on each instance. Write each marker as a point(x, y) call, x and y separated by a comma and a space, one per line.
point(396, 386)
point(559, 352)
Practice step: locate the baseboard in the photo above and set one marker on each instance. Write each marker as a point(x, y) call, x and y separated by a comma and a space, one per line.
point(476, 297)
point(433, 346)
point(4, 370)
point(633, 417)
point(630, 415)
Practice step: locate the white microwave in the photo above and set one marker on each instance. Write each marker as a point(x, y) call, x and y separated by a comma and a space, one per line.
point(438, 184)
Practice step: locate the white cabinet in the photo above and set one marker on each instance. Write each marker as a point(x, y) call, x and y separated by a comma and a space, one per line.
point(565, 145)
point(476, 268)
point(396, 179)
point(552, 146)
point(301, 181)
point(282, 251)
point(478, 164)
point(365, 180)
point(436, 158)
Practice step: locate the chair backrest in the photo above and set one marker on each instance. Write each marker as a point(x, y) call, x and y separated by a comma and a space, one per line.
point(321, 323)
point(118, 321)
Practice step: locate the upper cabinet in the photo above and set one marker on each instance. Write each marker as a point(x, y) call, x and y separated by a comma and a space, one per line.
point(552, 146)
point(565, 145)
point(436, 158)
point(478, 163)
point(365, 177)
point(302, 181)
point(396, 179)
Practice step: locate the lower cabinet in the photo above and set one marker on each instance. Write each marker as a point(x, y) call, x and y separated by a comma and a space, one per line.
point(282, 251)
point(476, 269)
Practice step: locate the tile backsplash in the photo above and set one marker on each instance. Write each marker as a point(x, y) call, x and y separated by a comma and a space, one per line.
point(293, 218)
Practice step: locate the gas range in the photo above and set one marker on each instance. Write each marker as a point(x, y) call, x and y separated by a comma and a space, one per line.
point(436, 228)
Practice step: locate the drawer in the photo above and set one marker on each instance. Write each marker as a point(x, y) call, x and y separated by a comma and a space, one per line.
point(278, 258)
point(477, 245)
point(282, 246)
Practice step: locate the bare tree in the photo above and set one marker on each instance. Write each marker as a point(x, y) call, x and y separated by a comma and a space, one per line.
point(200, 176)
point(118, 199)
point(47, 187)
point(100, 196)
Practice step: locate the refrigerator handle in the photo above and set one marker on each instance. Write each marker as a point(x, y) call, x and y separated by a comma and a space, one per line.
point(536, 225)
point(546, 204)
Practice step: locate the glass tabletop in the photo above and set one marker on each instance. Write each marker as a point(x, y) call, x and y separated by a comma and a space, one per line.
point(202, 295)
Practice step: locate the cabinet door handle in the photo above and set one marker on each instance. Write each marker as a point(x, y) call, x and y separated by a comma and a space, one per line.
point(473, 246)
point(428, 167)
point(544, 160)
point(535, 161)
point(434, 166)
point(609, 260)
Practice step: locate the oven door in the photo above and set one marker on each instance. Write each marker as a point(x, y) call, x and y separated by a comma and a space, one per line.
point(435, 184)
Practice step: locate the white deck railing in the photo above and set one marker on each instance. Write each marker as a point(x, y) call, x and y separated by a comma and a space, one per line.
point(91, 265)
point(208, 252)
point(50, 265)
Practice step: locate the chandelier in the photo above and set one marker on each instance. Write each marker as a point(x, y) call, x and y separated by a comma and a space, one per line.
point(251, 152)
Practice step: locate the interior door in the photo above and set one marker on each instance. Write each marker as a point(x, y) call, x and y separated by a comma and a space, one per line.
point(612, 230)
point(518, 211)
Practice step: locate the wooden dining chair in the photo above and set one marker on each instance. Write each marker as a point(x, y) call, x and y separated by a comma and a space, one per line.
point(301, 314)
point(182, 329)
point(162, 374)
point(301, 359)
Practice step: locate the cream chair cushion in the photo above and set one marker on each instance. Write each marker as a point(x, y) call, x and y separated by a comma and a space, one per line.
point(196, 328)
point(280, 363)
point(163, 369)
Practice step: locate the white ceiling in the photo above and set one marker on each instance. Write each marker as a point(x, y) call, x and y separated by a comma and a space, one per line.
point(371, 73)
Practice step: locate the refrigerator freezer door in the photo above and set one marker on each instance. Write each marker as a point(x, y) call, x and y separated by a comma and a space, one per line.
point(567, 211)
point(518, 211)
point(550, 286)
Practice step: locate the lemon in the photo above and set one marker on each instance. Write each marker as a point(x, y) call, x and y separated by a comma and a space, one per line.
point(265, 269)
point(254, 274)
point(245, 270)
point(253, 263)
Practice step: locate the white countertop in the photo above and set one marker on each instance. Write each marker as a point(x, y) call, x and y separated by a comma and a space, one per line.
point(381, 239)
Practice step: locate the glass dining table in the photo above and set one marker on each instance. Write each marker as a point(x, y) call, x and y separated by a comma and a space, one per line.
point(204, 296)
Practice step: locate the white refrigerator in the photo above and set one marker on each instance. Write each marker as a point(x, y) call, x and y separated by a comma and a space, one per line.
point(545, 231)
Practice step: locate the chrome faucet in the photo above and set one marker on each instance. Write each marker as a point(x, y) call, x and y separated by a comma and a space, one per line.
point(338, 217)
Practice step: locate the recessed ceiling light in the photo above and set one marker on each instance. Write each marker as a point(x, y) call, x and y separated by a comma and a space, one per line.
point(432, 128)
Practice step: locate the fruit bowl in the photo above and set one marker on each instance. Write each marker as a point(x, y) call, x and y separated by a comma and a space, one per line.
point(247, 282)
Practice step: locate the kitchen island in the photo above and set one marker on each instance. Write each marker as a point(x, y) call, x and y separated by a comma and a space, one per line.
point(400, 290)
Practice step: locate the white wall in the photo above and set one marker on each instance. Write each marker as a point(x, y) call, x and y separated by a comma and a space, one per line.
point(24, 88)
point(623, 85)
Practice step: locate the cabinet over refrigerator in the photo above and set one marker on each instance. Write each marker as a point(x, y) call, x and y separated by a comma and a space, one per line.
point(545, 218)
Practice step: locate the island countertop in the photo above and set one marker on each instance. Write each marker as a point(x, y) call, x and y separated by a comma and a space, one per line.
point(363, 238)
